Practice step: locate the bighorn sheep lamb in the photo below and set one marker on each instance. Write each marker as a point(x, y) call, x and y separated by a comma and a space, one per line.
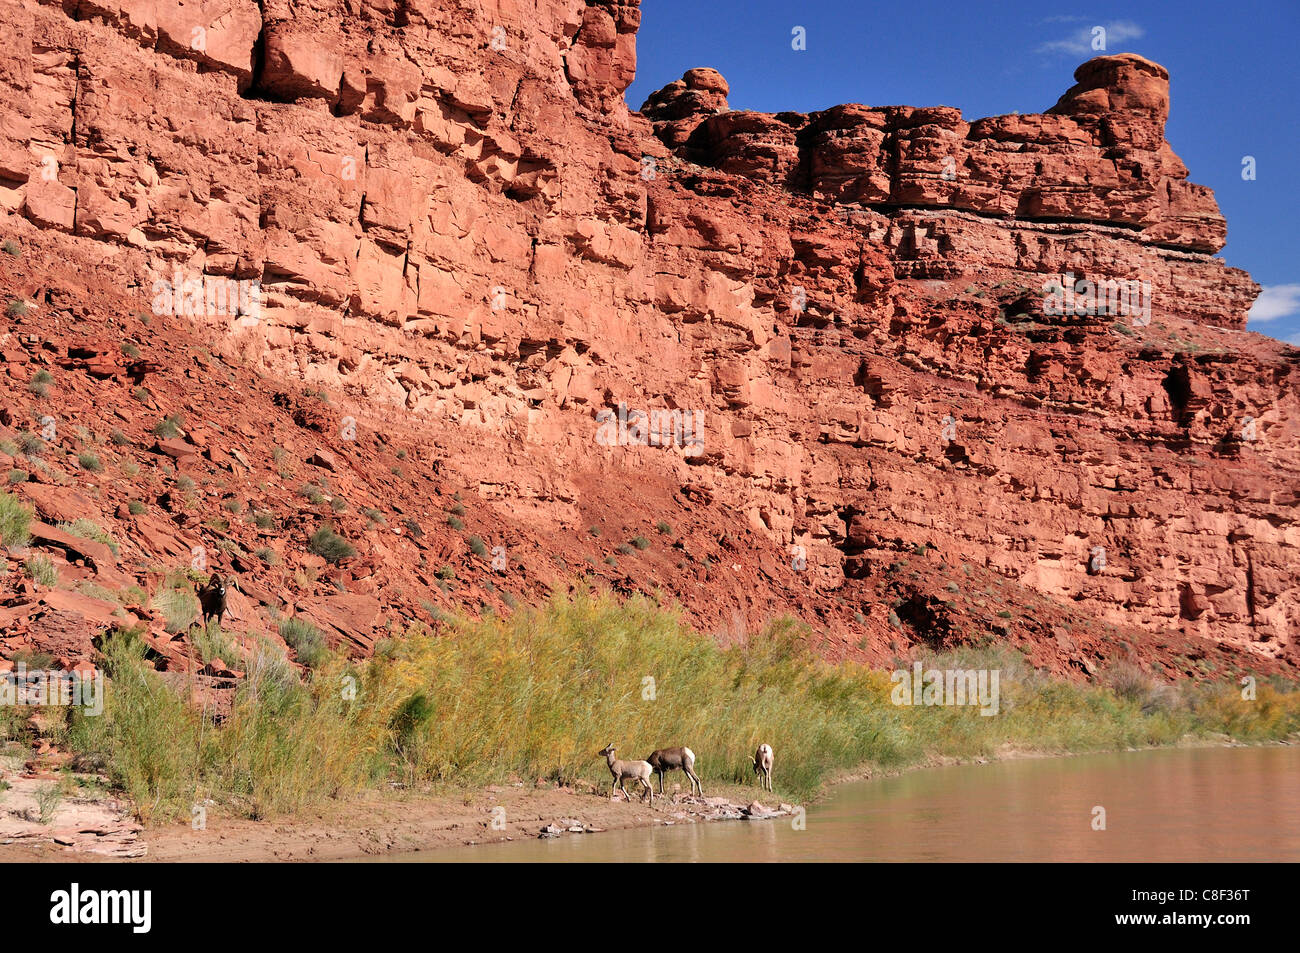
point(670, 759)
point(763, 765)
point(628, 771)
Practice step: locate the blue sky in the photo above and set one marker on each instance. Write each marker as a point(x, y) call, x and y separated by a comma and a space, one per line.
point(1232, 67)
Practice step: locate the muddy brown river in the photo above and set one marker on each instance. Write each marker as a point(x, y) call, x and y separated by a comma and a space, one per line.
point(1193, 804)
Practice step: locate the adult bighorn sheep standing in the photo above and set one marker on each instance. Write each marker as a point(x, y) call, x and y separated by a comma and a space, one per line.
point(628, 771)
point(212, 599)
point(670, 759)
point(763, 765)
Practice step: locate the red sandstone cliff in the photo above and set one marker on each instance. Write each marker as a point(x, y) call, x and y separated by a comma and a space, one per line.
point(470, 247)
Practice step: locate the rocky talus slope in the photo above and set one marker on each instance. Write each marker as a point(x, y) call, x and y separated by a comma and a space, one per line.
point(440, 253)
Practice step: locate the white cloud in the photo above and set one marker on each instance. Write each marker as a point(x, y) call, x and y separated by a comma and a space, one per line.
point(1275, 301)
point(1079, 42)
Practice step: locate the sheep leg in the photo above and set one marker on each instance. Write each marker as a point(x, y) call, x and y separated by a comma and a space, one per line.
point(695, 782)
point(661, 783)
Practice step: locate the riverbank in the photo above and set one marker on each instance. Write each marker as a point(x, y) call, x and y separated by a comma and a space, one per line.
point(375, 825)
point(491, 706)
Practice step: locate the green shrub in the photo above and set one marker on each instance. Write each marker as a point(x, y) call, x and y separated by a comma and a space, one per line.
point(41, 568)
point(48, 798)
point(89, 461)
point(84, 528)
point(15, 518)
point(211, 643)
point(305, 639)
point(169, 427)
point(640, 542)
point(477, 546)
point(148, 735)
point(176, 600)
point(40, 383)
point(329, 545)
point(16, 308)
point(31, 444)
point(136, 507)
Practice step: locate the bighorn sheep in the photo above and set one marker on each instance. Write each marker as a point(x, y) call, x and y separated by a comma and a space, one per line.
point(670, 759)
point(763, 765)
point(212, 599)
point(628, 770)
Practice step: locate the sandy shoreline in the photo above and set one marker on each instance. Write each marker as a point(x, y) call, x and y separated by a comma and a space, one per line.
point(375, 824)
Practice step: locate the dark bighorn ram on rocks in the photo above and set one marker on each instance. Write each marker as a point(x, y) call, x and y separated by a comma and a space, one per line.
point(670, 759)
point(212, 599)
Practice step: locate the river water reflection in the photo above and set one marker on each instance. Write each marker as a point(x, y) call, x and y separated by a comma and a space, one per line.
point(1191, 804)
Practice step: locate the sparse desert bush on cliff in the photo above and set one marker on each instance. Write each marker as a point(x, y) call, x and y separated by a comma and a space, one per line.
point(14, 520)
point(305, 639)
point(168, 427)
point(42, 570)
point(176, 600)
point(329, 545)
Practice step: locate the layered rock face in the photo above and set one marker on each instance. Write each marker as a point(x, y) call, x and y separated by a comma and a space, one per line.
point(865, 410)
